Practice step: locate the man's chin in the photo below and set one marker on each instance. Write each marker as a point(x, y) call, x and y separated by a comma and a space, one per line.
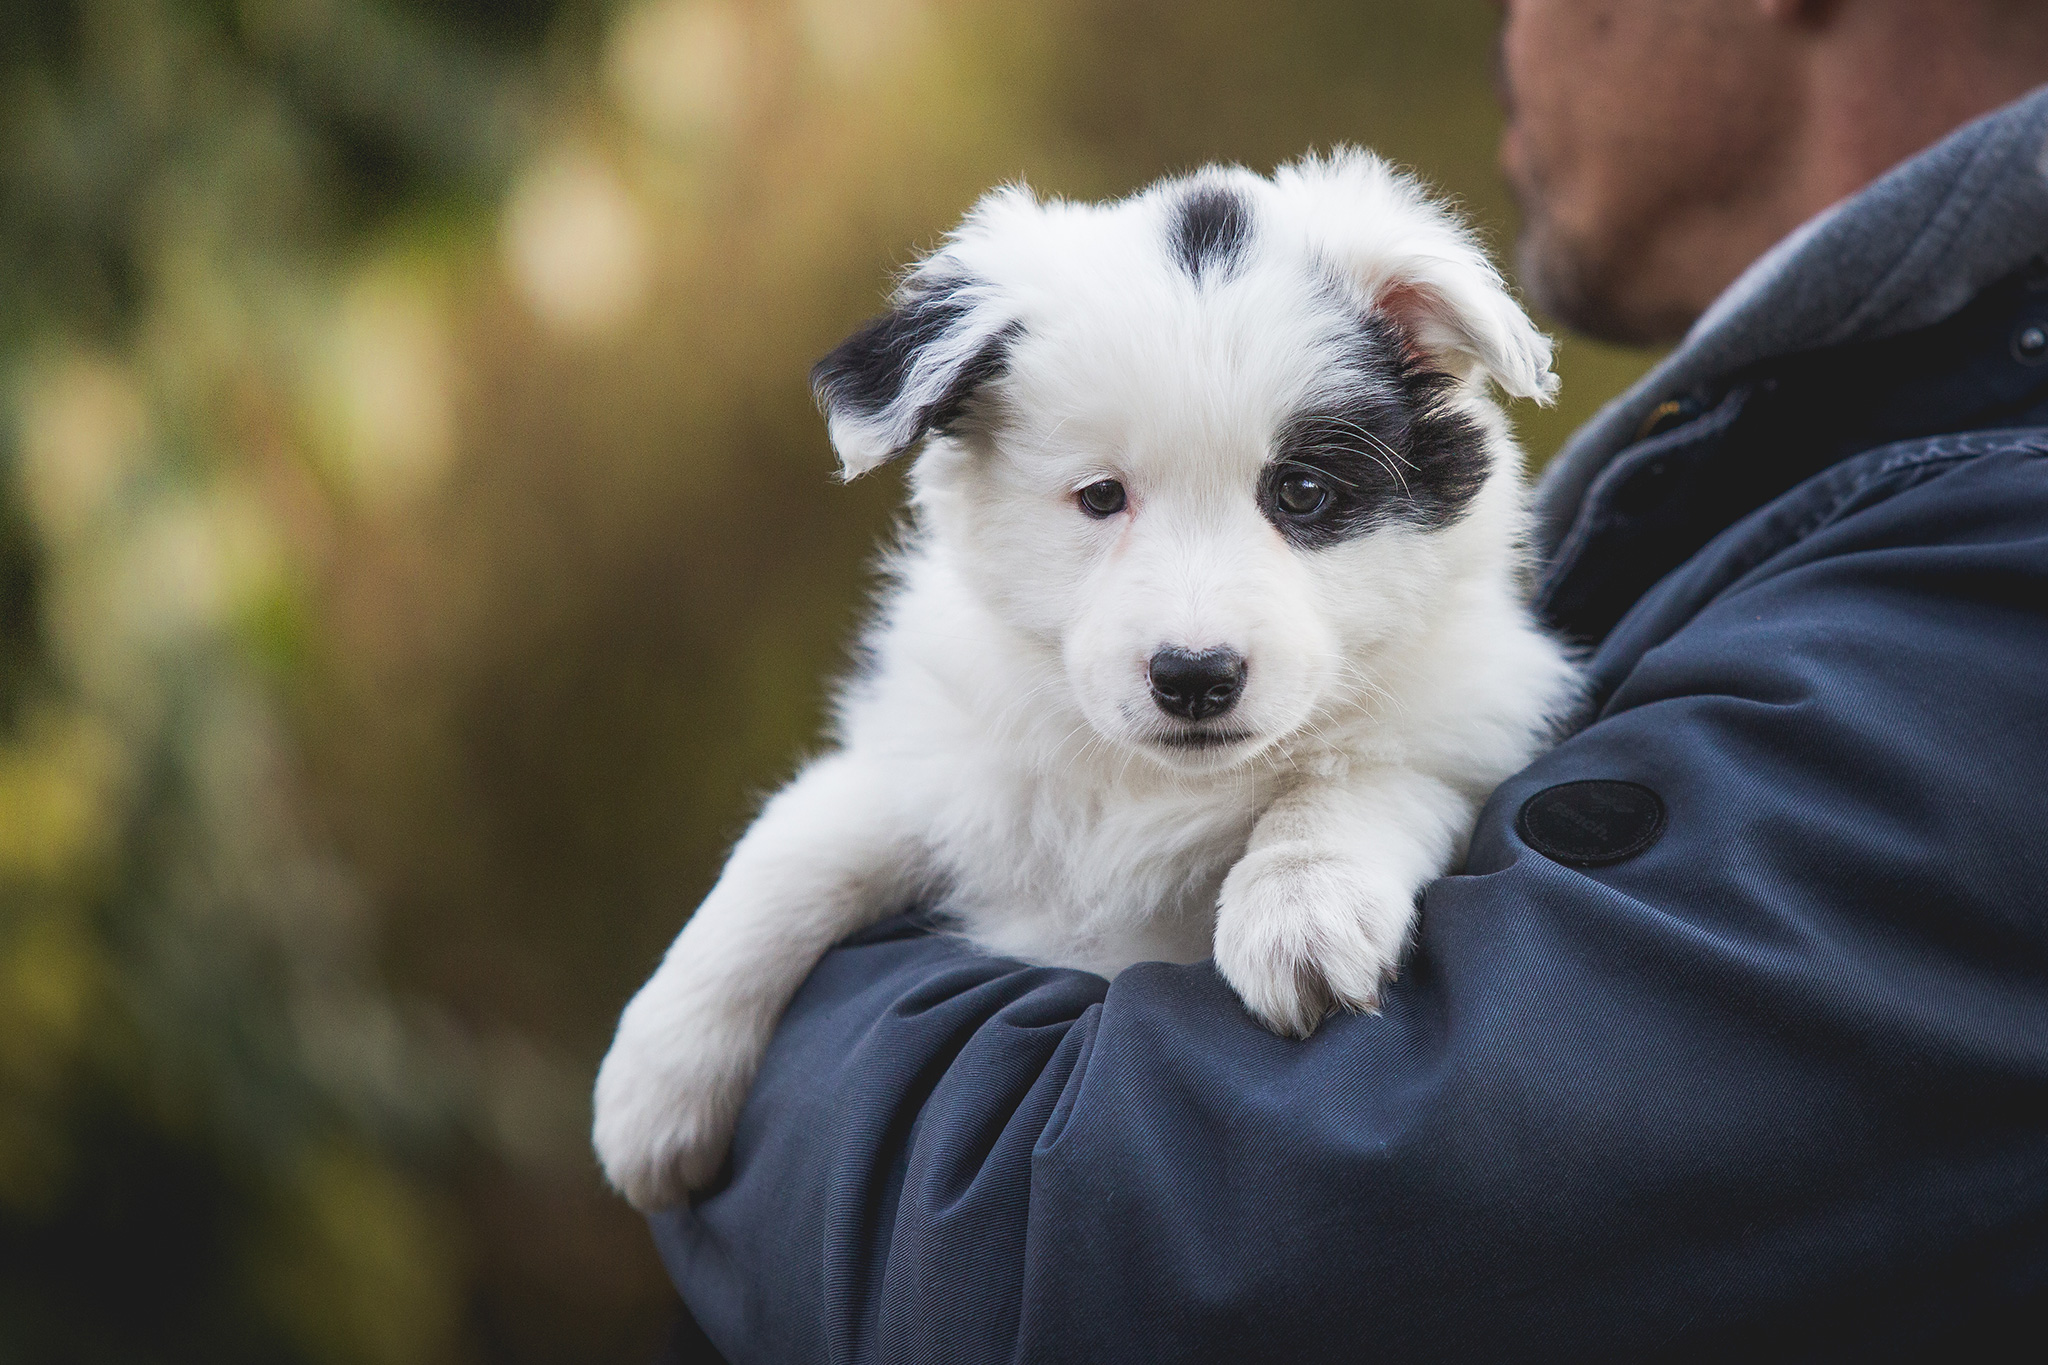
point(1553, 275)
point(1558, 274)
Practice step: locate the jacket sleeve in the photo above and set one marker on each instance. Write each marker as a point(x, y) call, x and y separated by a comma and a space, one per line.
point(1777, 1084)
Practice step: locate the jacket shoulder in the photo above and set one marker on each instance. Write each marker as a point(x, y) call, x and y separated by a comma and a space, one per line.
point(1982, 487)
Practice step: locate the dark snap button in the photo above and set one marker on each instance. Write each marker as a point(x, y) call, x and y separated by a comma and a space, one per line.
point(1591, 824)
point(2030, 344)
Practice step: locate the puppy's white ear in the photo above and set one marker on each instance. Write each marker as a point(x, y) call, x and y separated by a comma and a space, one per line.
point(1415, 262)
point(1461, 316)
point(910, 372)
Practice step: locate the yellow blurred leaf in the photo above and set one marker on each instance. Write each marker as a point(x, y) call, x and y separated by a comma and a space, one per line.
point(59, 794)
point(358, 1268)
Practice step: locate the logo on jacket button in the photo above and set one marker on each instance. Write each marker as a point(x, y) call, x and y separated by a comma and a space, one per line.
point(1591, 824)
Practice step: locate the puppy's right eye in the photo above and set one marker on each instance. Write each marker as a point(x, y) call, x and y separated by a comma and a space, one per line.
point(1104, 499)
point(1303, 495)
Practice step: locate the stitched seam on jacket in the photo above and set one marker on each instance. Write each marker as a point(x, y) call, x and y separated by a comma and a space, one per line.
point(1937, 451)
point(1862, 473)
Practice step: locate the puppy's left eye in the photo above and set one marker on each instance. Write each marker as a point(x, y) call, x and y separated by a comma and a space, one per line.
point(1302, 495)
point(1104, 499)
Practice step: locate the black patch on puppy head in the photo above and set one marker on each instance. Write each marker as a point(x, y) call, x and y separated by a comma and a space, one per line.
point(1211, 230)
point(866, 374)
point(1394, 446)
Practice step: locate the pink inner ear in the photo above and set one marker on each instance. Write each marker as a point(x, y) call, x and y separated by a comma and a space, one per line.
point(1417, 313)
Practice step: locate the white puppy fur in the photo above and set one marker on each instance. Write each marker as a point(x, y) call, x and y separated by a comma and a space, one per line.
point(1209, 637)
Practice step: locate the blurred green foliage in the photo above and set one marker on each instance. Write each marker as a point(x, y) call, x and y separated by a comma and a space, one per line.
point(222, 1137)
point(418, 549)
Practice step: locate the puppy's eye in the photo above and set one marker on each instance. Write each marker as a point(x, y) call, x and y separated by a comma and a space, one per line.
point(1104, 499)
point(1302, 495)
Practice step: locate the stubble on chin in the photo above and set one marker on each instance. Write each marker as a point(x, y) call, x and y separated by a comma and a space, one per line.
point(1576, 284)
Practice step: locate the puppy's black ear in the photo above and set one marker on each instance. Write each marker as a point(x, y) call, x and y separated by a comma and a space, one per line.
point(909, 373)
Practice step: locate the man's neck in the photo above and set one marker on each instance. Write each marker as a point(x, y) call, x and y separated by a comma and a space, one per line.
point(1886, 81)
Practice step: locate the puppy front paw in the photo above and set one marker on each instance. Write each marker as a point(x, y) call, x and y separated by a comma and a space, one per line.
point(664, 1112)
point(1302, 930)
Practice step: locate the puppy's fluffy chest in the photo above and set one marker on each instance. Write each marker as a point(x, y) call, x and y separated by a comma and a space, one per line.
point(1053, 871)
point(1040, 841)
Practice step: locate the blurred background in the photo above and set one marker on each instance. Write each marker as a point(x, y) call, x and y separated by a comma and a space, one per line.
point(418, 550)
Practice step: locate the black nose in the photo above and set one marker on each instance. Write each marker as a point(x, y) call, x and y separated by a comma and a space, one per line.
point(1196, 686)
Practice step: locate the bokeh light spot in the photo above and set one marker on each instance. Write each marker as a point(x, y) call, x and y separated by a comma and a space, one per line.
point(575, 245)
point(679, 67)
point(855, 39)
point(390, 382)
point(83, 430)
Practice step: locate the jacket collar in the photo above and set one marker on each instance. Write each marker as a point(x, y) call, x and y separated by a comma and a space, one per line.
point(1908, 251)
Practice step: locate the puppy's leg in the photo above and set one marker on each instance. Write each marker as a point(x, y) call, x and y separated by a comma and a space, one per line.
point(1313, 917)
point(829, 855)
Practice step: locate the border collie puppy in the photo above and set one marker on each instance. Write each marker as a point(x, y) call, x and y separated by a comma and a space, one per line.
point(1209, 638)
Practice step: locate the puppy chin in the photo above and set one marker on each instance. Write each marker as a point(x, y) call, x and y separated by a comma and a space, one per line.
point(1202, 748)
point(1198, 749)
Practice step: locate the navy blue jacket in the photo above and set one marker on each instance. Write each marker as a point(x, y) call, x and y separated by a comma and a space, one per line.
point(1772, 1085)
